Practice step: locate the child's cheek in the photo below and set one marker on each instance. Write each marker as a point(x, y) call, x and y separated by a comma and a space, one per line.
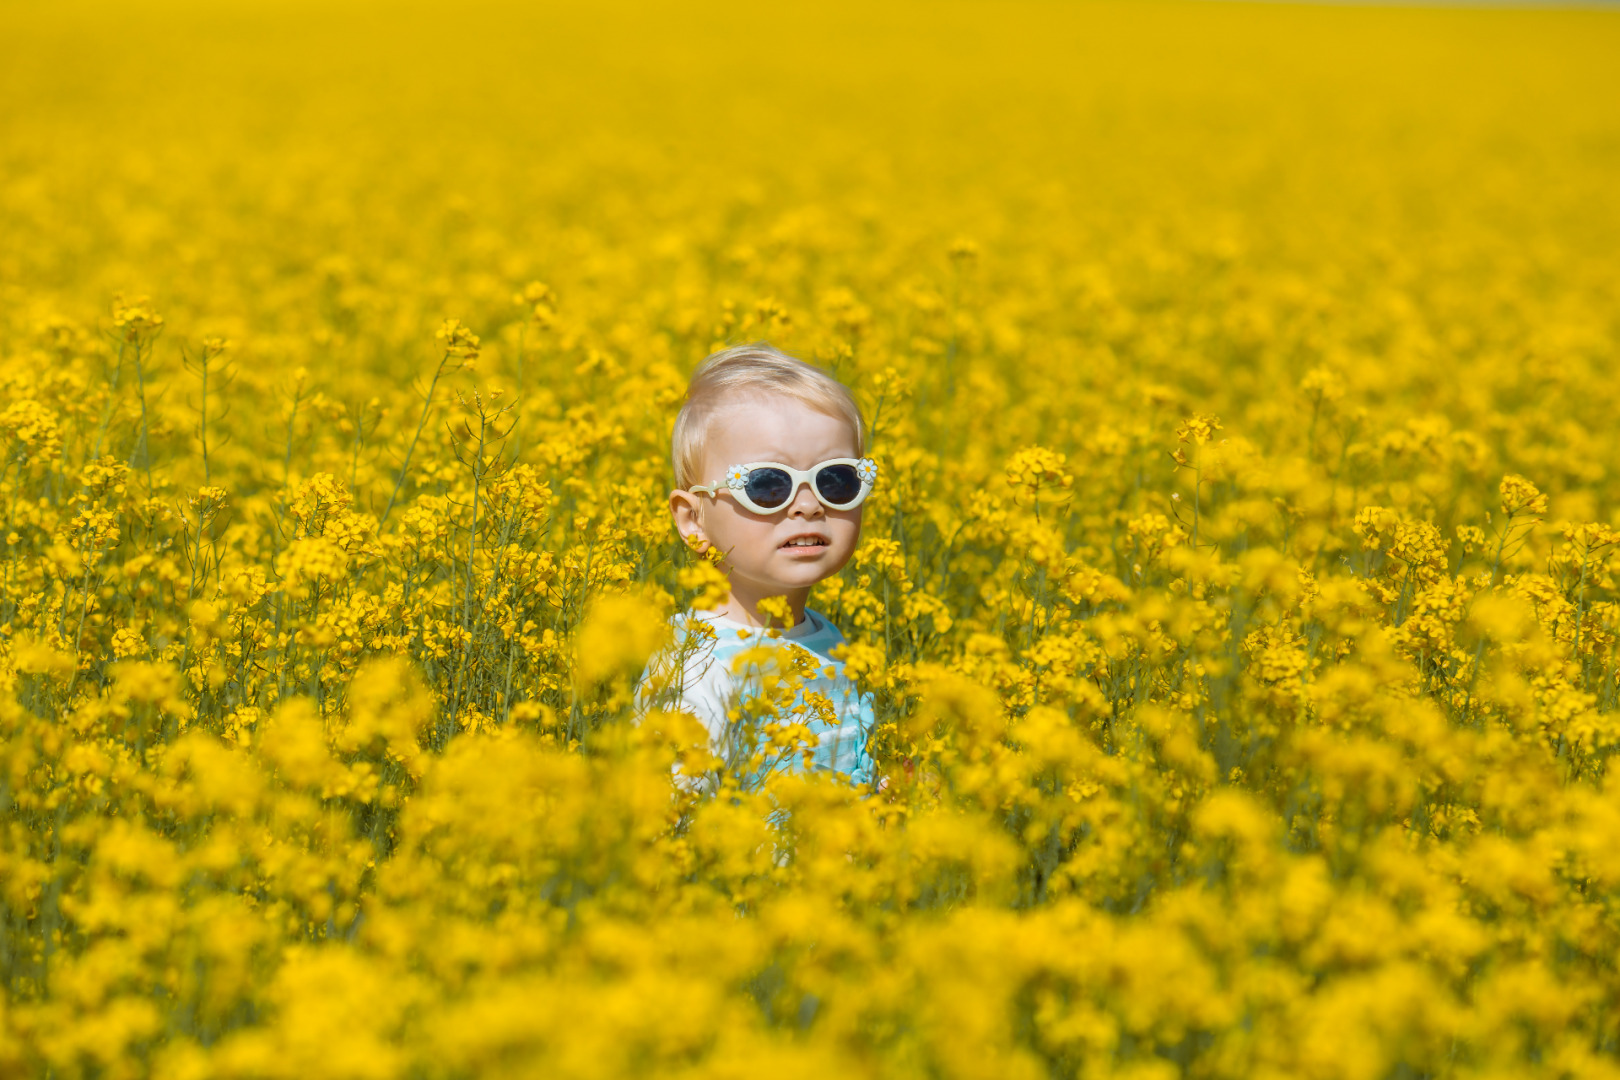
point(752, 535)
point(854, 519)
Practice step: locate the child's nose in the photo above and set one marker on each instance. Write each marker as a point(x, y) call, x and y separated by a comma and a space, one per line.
point(805, 503)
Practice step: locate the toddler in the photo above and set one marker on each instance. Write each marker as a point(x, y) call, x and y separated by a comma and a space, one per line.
point(770, 472)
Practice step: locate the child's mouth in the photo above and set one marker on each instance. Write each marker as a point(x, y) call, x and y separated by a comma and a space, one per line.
point(806, 542)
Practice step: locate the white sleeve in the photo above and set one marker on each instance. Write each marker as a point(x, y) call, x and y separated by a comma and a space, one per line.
point(706, 693)
point(702, 688)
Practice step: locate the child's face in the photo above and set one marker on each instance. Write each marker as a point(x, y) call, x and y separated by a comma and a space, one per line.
point(760, 559)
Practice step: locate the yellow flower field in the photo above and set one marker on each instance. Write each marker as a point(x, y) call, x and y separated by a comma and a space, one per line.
point(1240, 599)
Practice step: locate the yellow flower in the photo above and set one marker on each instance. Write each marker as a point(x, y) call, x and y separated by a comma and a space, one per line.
point(1520, 496)
point(341, 730)
point(459, 343)
point(618, 635)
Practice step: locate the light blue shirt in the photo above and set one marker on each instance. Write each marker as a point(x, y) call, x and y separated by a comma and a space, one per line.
point(709, 687)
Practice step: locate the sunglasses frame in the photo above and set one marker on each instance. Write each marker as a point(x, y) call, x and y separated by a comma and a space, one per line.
point(736, 482)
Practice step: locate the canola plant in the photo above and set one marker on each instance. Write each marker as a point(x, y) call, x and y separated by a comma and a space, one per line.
point(1239, 601)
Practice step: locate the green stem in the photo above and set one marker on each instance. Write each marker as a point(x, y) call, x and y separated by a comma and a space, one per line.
point(140, 387)
point(399, 481)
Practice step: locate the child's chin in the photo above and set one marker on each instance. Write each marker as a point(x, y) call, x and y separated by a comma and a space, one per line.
point(805, 569)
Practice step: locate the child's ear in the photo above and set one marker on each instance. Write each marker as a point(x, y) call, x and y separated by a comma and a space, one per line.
point(683, 507)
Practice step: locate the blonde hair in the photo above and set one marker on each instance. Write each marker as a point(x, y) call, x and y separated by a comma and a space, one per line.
point(753, 369)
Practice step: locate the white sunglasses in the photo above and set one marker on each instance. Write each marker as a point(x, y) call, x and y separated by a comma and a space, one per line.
point(764, 487)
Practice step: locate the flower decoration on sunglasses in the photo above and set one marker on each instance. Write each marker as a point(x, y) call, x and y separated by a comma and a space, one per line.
point(867, 470)
point(737, 477)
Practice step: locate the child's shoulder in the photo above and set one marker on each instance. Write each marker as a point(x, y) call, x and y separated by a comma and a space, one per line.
point(820, 622)
point(707, 629)
point(816, 632)
point(703, 631)
point(693, 624)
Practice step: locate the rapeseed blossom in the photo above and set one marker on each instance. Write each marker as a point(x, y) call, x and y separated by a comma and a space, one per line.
point(1239, 605)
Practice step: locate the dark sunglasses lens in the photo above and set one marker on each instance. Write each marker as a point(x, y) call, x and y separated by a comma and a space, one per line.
point(838, 484)
point(769, 488)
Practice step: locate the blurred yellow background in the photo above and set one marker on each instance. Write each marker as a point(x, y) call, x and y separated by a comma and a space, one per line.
point(1239, 600)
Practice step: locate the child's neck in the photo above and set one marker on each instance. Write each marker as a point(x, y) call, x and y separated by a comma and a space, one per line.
point(743, 607)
